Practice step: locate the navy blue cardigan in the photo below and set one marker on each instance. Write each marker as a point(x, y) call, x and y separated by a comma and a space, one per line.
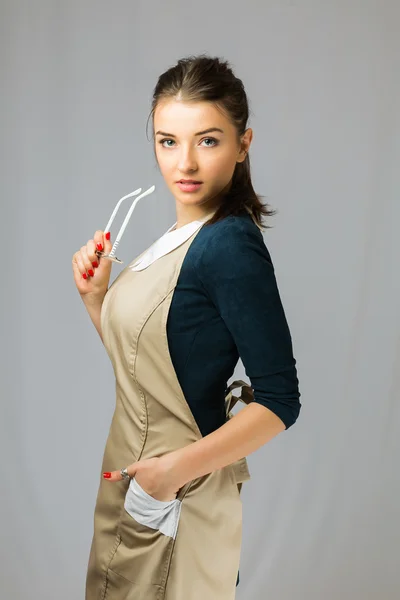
point(227, 305)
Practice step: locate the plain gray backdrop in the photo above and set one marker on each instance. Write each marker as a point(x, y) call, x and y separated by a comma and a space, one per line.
point(321, 515)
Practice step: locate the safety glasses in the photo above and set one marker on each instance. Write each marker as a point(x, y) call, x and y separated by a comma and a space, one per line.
point(111, 255)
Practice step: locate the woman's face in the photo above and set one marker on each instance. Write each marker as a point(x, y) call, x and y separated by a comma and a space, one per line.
point(195, 141)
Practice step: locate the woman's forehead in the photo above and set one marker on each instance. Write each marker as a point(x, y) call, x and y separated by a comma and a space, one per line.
point(184, 116)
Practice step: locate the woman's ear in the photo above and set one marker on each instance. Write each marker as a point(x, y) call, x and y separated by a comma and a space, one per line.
point(245, 143)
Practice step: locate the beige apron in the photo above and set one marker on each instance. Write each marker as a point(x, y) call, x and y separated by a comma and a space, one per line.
point(144, 548)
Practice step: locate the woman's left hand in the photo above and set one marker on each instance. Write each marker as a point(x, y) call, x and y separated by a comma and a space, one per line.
point(155, 475)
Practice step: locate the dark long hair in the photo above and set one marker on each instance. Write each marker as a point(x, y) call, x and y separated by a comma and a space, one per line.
point(204, 78)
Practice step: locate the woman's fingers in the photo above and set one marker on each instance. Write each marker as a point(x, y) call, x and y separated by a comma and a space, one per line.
point(91, 273)
point(116, 475)
point(102, 244)
point(80, 265)
point(113, 476)
point(99, 243)
point(91, 254)
point(87, 253)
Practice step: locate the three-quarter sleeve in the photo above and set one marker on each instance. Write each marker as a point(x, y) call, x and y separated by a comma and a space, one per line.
point(237, 274)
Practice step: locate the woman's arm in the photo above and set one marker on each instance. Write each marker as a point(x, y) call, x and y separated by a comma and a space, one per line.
point(93, 304)
point(92, 274)
point(252, 427)
point(237, 275)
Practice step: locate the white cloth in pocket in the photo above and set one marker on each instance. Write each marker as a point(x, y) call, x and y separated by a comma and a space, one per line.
point(153, 513)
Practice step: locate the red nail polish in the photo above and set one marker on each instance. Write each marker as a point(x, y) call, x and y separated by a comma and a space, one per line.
point(99, 247)
point(108, 234)
point(95, 264)
point(91, 272)
point(106, 475)
point(84, 275)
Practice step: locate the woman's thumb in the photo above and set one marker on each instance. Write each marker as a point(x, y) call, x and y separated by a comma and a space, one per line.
point(108, 244)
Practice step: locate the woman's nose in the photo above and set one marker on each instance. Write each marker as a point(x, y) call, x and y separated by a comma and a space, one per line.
point(187, 160)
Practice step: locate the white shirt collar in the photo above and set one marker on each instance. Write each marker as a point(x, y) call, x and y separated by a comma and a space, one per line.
point(170, 240)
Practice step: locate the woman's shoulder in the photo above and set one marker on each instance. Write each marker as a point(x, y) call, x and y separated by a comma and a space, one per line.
point(233, 224)
point(230, 243)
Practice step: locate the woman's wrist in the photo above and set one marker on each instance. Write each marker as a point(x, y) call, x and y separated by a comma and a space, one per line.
point(93, 299)
point(172, 467)
point(93, 303)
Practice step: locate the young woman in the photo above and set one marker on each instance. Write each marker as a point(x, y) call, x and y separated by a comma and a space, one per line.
point(168, 516)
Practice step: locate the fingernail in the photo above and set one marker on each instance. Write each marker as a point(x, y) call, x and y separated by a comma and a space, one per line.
point(91, 272)
point(84, 275)
point(106, 475)
point(95, 264)
point(99, 247)
point(108, 235)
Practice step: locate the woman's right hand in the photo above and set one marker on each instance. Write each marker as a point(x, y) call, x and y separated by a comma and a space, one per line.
point(92, 274)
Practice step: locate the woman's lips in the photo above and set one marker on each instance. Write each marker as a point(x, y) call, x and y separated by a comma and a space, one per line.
point(188, 187)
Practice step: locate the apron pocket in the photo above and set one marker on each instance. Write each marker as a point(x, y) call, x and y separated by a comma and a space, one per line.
point(162, 515)
point(148, 533)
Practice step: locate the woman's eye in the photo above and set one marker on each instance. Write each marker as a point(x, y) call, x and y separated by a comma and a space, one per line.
point(214, 142)
point(166, 140)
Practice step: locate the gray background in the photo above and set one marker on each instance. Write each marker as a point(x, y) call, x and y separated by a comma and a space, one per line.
point(321, 512)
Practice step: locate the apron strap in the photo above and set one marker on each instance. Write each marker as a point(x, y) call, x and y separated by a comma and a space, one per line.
point(240, 467)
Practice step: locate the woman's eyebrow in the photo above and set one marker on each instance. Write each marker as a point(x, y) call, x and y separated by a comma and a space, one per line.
point(198, 133)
